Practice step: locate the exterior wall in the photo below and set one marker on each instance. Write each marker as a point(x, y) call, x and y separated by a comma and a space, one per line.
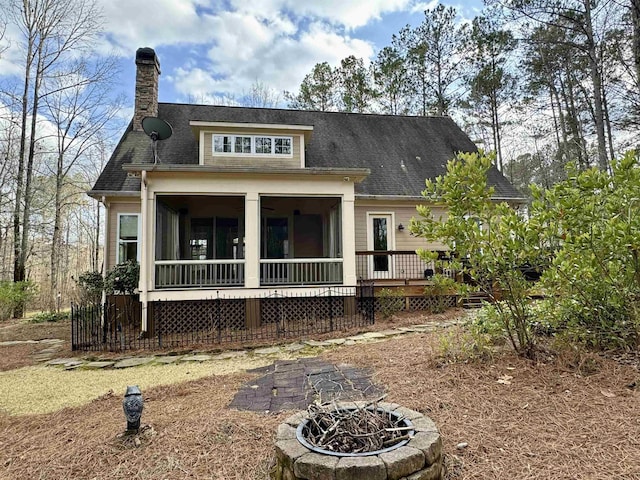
point(274, 161)
point(403, 211)
point(116, 206)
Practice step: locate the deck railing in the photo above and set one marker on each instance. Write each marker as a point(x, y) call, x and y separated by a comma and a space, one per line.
point(199, 273)
point(394, 265)
point(301, 271)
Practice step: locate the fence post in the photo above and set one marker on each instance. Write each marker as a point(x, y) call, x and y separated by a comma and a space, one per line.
point(219, 317)
point(105, 323)
point(74, 322)
point(330, 311)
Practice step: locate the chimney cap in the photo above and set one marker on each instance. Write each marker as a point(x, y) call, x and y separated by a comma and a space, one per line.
point(146, 55)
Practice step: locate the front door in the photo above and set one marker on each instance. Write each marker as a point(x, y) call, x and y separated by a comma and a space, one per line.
point(380, 238)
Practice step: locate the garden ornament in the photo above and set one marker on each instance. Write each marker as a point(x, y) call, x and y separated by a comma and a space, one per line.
point(133, 404)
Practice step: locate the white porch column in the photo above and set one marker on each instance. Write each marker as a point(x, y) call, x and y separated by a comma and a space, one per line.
point(146, 247)
point(348, 242)
point(252, 240)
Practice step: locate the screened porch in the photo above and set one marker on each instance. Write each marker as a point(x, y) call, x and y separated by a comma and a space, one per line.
point(200, 241)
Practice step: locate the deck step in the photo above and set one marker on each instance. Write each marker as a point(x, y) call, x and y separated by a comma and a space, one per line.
point(474, 300)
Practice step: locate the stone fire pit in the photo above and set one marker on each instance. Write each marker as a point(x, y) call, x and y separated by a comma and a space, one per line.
point(419, 458)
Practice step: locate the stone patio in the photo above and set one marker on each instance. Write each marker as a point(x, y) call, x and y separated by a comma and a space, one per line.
point(295, 384)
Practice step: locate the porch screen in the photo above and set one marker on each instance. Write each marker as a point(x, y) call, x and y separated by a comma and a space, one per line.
point(167, 233)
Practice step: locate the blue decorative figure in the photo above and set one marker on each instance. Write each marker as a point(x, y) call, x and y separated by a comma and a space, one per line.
point(133, 404)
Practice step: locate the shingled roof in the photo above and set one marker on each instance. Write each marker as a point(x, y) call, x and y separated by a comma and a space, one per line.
point(400, 151)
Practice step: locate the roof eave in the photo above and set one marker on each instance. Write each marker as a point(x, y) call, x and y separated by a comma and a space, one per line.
point(98, 194)
point(355, 175)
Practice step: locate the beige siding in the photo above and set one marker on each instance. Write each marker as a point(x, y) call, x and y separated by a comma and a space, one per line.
point(403, 212)
point(252, 161)
point(116, 207)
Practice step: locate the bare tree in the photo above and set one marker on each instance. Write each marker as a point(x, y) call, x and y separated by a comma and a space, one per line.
point(80, 111)
point(52, 32)
point(260, 95)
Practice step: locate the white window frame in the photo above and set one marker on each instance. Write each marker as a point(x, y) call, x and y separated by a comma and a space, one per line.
point(119, 241)
point(253, 153)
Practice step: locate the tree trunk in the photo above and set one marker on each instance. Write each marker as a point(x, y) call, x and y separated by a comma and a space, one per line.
point(596, 80)
point(28, 193)
point(19, 254)
point(57, 237)
point(607, 123)
point(635, 25)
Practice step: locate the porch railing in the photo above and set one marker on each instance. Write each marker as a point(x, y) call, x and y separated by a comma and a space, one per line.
point(394, 265)
point(199, 273)
point(301, 271)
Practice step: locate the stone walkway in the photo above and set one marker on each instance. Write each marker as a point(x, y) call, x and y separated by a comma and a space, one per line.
point(296, 384)
point(310, 346)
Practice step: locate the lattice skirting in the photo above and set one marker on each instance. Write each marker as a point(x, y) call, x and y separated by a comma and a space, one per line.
point(413, 304)
point(199, 315)
point(281, 309)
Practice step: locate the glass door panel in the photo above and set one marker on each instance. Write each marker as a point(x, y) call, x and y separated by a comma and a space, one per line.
point(380, 232)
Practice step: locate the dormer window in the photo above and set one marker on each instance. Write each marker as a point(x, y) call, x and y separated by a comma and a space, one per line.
point(231, 145)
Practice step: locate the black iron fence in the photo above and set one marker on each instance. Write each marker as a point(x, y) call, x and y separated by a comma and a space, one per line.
point(116, 326)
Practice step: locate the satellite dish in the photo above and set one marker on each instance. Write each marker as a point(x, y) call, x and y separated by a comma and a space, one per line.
point(157, 129)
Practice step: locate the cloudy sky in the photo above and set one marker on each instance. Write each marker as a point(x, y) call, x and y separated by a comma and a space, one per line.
point(212, 50)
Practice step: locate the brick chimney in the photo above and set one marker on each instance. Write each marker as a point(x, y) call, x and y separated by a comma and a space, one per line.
point(147, 72)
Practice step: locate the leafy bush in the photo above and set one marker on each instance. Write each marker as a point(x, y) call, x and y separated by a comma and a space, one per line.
point(594, 220)
point(391, 301)
point(49, 317)
point(461, 344)
point(91, 286)
point(13, 294)
point(488, 241)
point(441, 290)
point(123, 278)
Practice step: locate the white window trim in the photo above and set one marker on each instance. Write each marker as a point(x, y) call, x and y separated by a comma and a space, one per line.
point(138, 250)
point(253, 145)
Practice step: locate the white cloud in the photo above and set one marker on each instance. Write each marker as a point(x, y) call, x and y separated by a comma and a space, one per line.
point(420, 7)
point(130, 24)
point(279, 61)
point(348, 13)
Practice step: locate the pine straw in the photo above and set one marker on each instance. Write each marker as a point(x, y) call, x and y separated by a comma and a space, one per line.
point(196, 436)
point(18, 356)
point(546, 423)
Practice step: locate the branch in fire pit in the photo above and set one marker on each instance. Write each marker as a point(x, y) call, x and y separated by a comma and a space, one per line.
point(357, 429)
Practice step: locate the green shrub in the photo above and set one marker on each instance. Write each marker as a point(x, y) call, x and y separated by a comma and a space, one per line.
point(488, 240)
point(441, 291)
point(91, 286)
point(13, 294)
point(123, 278)
point(391, 301)
point(593, 218)
point(464, 344)
point(49, 317)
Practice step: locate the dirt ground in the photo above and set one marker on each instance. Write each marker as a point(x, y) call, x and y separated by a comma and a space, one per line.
point(21, 330)
point(521, 420)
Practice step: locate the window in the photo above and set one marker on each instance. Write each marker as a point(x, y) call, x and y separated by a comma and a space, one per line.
point(263, 144)
point(128, 235)
point(283, 146)
point(255, 145)
point(222, 144)
point(243, 145)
